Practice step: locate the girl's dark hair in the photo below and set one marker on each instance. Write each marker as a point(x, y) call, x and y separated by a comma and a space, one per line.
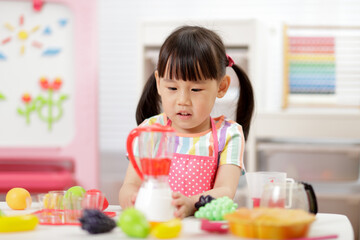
point(193, 53)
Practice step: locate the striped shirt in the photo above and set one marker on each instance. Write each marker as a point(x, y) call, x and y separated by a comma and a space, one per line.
point(230, 137)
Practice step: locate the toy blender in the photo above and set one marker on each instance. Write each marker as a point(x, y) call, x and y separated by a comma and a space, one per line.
point(152, 164)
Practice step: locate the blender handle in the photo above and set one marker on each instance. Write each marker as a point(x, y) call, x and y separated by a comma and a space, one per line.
point(129, 146)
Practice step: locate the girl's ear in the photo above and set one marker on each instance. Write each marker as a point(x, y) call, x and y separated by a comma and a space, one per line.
point(224, 86)
point(156, 74)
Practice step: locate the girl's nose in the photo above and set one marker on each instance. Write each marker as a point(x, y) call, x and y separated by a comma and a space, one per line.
point(183, 98)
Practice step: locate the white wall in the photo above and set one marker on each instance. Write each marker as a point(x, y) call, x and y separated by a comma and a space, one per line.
point(118, 37)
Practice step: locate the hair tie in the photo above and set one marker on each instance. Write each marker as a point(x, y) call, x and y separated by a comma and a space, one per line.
point(230, 61)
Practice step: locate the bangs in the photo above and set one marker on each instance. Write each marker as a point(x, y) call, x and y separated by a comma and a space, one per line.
point(187, 68)
point(189, 57)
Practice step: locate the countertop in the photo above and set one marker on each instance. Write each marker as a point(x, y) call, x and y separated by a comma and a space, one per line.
point(325, 224)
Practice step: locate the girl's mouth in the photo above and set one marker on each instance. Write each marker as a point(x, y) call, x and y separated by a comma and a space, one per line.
point(183, 114)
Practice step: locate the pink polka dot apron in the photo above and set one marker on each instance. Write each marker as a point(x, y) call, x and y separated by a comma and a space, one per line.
point(192, 174)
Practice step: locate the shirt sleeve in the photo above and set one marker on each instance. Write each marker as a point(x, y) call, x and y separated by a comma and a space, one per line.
point(233, 151)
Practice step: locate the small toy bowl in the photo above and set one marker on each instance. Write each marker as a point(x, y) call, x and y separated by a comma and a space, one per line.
point(270, 223)
point(214, 226)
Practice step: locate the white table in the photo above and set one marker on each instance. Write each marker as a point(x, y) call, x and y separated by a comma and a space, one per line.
point(325, 224)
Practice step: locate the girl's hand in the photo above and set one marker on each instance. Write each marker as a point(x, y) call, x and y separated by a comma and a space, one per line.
point(133, 199)
point(130, 188)
point(129, 200)
point(184, 205)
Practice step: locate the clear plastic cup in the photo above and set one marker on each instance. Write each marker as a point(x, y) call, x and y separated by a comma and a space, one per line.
point(257, 180)
point(41, 199)
point(56, 199)
point(73, 208)
point(51, 207)
point(93, 200)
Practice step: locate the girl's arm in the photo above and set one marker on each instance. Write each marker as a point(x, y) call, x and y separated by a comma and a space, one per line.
point(226, 182)
point(130, 187)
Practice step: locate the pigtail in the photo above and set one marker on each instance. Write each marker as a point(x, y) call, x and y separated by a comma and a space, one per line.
point(245, 104)
point(149, 103)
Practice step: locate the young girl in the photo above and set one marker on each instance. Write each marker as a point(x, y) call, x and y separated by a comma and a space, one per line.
point(208, 157)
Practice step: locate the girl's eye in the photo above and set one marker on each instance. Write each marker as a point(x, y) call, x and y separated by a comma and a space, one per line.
point(171, 88)
point(196, 90)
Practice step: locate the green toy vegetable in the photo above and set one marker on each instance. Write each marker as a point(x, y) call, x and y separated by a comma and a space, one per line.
point(77, 191)
point(134, 223)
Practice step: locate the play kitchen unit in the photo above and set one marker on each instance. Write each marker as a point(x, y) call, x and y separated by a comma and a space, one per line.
point(48, 95)
point(307, 87)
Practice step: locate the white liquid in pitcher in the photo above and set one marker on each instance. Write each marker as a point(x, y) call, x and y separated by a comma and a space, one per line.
point(154, 200)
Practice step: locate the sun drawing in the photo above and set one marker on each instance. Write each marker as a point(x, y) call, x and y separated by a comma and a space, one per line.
point(21, 34)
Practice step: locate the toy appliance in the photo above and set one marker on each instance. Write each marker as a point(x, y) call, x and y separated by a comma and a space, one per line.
point(152, 164)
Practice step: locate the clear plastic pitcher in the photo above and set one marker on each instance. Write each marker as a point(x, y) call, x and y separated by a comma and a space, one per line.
point(291, 195)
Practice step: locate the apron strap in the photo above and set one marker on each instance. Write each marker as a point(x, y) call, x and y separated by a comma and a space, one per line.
point(215, 138)
point(168, 124)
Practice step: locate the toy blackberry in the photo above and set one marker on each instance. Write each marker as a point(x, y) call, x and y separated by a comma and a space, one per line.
point(95, 221)
point(203, 200)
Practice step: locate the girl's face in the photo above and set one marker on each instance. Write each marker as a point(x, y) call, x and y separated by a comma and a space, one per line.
point(188, 104)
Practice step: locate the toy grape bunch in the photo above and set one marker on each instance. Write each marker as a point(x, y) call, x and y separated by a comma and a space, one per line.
point(215, 209)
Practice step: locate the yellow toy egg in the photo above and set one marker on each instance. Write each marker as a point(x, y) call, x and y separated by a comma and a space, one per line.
point(170, 229)
point(18, 198)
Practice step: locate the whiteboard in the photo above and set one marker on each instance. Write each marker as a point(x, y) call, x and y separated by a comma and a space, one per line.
point(36, 60)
